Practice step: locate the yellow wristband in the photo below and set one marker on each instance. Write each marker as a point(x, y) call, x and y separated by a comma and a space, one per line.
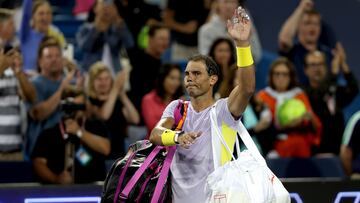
point(244, 57)
point(168, 138)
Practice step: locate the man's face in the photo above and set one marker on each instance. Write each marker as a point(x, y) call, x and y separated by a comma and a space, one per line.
point(7, 30)
point(160, 41)
point(197, 80)
point(315, 67)
point(51, 60)
point(309, 28)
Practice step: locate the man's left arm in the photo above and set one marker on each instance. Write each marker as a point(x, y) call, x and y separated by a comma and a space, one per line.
point(239, 29)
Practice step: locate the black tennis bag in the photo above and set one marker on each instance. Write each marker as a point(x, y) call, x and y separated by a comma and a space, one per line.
point(143, 174)
point(134, 178)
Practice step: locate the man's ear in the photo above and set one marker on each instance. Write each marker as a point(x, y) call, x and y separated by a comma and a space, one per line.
point(213, 80)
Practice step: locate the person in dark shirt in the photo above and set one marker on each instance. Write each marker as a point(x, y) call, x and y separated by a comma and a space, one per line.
point(109, 102)
point(146, 64)
point(184, 19)
point(327, 98)
point(300, 34)
point(72, 151)
point(137, 14)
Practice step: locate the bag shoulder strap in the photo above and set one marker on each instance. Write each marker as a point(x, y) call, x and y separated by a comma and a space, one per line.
point(180, 114)
point(244, 135)
point(131, 183)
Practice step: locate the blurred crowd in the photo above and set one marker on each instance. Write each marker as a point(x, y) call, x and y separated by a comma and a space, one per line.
point(67, 106)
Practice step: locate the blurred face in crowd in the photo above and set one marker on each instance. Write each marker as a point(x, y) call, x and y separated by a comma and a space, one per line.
point(7, 29)
point(281, 77)
point(50, 61)
point(103, 83)
point(105, 11)
point(315, 67)
point(160, 41)
point(172, 81)
point(42, 18)
point(309, 28)
point(226, 8)
point(222, 54)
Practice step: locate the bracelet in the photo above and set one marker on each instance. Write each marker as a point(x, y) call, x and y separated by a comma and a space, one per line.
point(244, 57)
point(168, 138)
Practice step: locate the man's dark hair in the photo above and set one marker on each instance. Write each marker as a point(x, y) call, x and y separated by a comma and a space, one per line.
point(211, 66)
point(45, 43)
point(5, 14)
point(312, 12)
point(316, 52)
point(155, 27)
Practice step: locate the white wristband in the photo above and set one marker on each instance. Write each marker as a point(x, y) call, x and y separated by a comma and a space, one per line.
point(79, 133)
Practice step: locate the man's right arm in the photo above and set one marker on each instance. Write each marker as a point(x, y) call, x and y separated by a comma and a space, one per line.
point(290, 27)
point(161, 126)
point(185, 140)
point(45, 108)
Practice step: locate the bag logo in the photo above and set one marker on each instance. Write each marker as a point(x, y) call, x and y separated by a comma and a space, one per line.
point(219, 198)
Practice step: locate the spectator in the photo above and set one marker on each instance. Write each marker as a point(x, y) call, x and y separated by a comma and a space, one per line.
point(327, 98)
point(102, 39)
point(7, 29)
point(350, 150)
point(35, 25)
point(146, 64)
point(109, 102)
point(184, 19)
point(227, 83)
point(223, 53)
point(14, 87)
point(168, 88)
point(88, 144)
point(216, 28)
point(257, 120)
point(306, 22)
point(295, 138)
point(137, 14)
point(50, 85)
